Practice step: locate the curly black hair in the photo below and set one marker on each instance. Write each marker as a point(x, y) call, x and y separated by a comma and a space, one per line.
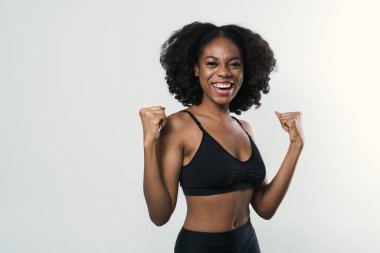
point(182, 50)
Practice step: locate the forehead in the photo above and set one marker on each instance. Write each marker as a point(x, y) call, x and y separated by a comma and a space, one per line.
point(221, 47)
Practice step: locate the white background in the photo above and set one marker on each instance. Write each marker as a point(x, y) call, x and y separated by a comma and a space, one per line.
point(73, 75)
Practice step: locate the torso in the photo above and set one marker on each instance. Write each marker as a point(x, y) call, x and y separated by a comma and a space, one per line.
point(217, 213)
point(221, 212)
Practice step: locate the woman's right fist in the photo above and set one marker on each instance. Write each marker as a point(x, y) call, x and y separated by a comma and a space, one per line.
point(153, 119)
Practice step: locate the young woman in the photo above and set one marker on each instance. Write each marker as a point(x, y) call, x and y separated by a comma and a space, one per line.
point(214, 71)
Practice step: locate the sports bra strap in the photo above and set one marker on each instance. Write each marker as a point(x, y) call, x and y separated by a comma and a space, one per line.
point(240, 125)
point(200, 125)
point(195, 120)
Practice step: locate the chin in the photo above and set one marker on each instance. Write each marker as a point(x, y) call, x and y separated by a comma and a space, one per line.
point(222, 101)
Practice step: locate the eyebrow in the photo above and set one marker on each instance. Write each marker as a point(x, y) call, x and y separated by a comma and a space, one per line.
point(233, 58)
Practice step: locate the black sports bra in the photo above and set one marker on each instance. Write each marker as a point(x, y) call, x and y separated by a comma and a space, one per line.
point(213, 170)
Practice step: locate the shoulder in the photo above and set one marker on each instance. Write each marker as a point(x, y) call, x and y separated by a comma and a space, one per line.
point(177, 121)
point(247, 127)
point(175, 124)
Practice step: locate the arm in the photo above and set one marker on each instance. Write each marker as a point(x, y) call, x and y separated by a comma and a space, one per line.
point(269, 195)
point(162, 163)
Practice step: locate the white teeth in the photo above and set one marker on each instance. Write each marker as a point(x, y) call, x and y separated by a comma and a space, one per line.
point(222, 85)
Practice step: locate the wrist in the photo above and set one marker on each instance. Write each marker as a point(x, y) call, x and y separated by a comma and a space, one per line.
point(149, 144)
point(297, 144)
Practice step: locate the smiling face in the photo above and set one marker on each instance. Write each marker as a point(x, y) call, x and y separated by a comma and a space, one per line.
point(220, 71)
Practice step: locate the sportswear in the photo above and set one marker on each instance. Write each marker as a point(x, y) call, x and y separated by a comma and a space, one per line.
point(213, 170)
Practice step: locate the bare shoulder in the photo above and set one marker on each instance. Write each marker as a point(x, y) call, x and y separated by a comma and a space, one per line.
point(177, 120)
point(248, 128)
point(174, 120)
point(175, 124)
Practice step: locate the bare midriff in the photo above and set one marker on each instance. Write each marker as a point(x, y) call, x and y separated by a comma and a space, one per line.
point(218, 213)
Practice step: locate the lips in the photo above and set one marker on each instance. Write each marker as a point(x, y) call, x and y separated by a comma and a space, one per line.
point(222, 85)
point(222, 88)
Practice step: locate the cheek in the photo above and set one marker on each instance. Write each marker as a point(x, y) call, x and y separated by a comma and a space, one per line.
point(207, 74)
point(239, 75)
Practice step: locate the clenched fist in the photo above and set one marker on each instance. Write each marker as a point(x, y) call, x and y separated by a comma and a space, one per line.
point(291, 122)
point(153, 119)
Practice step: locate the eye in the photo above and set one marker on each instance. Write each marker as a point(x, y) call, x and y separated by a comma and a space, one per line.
point(236, 64)
point(211, 64)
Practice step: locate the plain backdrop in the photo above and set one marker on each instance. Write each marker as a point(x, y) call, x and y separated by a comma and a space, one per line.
point(73, 75)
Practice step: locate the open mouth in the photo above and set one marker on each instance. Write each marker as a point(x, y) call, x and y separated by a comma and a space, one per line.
point(222, 86)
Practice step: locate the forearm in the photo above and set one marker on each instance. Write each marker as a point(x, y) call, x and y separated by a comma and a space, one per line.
point(156, 194)
point(274, 192)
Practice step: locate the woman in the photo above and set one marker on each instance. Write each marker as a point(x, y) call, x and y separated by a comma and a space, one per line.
point(214, 71)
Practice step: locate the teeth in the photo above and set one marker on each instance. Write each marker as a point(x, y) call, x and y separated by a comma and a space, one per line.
point(222, 85)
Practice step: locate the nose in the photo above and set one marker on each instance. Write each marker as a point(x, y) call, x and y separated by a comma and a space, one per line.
point(224, 71)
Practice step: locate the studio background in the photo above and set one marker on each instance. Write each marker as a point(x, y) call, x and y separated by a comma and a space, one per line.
point(73, 75)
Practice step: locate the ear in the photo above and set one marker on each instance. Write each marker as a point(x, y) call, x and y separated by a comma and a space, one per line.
point(196, 70)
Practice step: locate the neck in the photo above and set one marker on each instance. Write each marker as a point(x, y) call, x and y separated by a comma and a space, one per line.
point(214, 110)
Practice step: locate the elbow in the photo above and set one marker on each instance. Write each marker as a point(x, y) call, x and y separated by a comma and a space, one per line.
point(160, 216)
point(265, 210)
point(267, 215)
point(159, 221)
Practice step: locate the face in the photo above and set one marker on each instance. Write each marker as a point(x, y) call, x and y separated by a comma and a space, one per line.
point(220, 71)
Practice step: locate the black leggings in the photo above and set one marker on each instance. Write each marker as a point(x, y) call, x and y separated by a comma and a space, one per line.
point(240, 240)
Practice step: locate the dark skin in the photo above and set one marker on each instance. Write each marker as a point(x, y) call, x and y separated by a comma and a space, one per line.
point(220, 62)
point(166, 151)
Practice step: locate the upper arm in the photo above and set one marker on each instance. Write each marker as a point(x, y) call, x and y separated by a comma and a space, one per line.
point(170, 156)
point(257, 194)
point(259, 189)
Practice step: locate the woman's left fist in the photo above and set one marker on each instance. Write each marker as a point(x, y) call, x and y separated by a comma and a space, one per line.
point(292, 123)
